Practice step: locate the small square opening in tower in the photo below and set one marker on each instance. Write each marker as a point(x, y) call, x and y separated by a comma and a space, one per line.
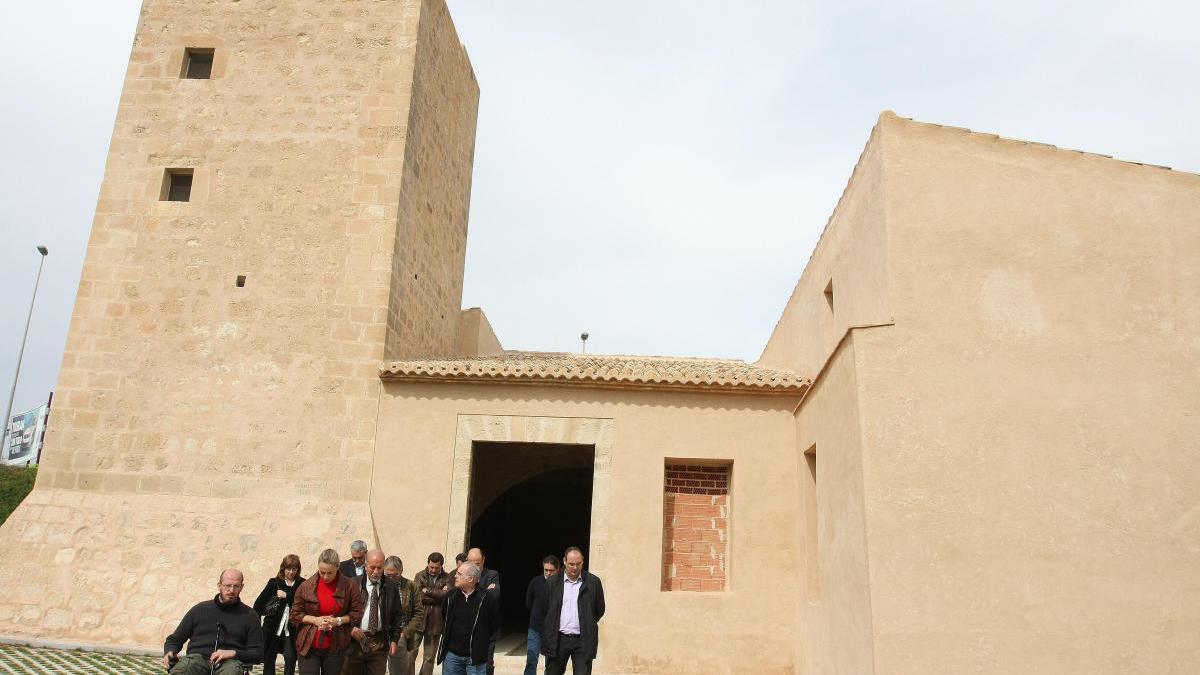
point(197, 63)
point(829, 294)
point(177, 185)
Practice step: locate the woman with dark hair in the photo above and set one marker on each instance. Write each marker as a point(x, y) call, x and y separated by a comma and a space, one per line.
point(273, 605)
point(327, 606)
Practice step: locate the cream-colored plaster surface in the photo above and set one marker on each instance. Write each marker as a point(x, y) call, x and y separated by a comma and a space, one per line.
point(475, 335)
point(1026, 446)
point(1029, 423)
point(645, 630)
point(850, 258)
point(199, 425)
point(835, 613)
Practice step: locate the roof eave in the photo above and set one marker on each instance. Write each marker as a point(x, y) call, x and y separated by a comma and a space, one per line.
point(790, 390)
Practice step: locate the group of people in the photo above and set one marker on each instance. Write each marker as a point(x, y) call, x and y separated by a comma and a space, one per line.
point(362, 616)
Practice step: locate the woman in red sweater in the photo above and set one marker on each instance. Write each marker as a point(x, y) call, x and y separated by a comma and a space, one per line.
point(327, 606)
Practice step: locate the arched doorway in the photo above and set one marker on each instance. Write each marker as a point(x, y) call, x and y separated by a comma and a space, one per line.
point(528, 500)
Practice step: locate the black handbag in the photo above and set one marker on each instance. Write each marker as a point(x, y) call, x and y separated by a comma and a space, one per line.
point(274, 608)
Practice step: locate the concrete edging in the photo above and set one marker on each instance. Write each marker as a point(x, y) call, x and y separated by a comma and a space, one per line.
point(78, 646)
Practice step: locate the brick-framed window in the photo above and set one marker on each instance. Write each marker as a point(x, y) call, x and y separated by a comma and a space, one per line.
point(695, 525)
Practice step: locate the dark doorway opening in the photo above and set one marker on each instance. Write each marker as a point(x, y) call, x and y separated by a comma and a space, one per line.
point(528, 500)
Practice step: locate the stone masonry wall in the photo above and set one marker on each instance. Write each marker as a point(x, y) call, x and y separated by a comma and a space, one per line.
point(435, 194)
point(199, 424)
point(695, 527)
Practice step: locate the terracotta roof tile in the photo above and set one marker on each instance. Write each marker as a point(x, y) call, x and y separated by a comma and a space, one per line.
point(648, 372)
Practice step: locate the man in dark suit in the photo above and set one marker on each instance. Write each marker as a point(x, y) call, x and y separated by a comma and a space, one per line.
point(376, 635)
point(574, 607)
point(354, 567)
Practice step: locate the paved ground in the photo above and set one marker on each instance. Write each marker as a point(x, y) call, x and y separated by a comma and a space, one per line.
point(58, 662)
point(43, 661)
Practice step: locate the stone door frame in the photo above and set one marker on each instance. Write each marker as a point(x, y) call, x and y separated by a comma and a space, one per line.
point(594, 431)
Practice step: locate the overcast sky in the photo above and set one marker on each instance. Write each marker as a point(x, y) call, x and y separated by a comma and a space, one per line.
point(653, 172)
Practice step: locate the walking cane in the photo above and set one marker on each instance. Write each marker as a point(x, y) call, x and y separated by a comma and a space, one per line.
point(212, 665)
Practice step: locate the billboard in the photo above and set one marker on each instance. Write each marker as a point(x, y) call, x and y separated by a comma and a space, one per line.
point(25, 433)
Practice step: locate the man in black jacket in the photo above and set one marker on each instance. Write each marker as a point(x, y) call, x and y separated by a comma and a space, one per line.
point(471, 617)
point(535, 602)
point(574, 606)
point(489, 581)
point(376, 635)
point(223, 632)
point(354, 566)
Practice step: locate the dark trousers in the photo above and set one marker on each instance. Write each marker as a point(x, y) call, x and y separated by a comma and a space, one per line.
point(195, 664)
point(368, 657)
point(569, 647)
point(272, 646)
point(320, 662)
point(429, 648)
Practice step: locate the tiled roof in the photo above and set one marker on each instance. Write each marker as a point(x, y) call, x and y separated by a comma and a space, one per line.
point(649, 372)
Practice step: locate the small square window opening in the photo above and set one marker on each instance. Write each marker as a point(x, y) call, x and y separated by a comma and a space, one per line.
point(177, 185)
point(197, 64)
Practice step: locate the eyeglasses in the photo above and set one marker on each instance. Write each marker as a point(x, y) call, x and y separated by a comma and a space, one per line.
point(230, 587)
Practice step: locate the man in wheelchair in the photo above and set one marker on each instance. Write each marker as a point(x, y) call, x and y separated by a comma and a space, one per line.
point(223, 634)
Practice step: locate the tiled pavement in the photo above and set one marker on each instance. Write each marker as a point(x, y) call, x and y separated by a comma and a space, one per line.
point(45, 661)
point(26, 660)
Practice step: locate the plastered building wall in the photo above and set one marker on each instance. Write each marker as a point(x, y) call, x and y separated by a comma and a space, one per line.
point(834, 604)
point(475, 334)
point(815, 334)
point(646, 630)
point(197, 421)
point(851, 260)
point(1029, 421)
point(1018, 422)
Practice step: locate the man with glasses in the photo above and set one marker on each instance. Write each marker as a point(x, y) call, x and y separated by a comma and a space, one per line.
point(490, 581)
point(223, 634)
point(471, 616)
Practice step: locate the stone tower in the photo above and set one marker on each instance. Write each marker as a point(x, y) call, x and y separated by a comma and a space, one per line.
point(284, 207)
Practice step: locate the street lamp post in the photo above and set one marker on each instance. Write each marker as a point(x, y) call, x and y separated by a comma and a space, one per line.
point(21, 354)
